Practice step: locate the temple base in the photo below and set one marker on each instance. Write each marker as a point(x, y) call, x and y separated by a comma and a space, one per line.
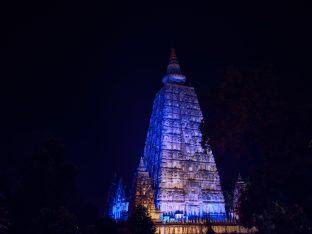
point(200, 228)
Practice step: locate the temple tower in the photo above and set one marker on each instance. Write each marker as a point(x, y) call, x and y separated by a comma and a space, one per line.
point(143, 193)
point(117, 201)
point(183, 175)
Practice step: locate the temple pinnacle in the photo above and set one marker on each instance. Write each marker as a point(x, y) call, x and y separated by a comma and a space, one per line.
point(141, 165)
point(173, 74)
point(141, 162)
point(173, 55)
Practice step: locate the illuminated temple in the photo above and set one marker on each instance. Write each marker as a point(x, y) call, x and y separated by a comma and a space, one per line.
point(177, 180)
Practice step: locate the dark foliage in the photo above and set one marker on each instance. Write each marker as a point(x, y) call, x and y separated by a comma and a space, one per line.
point(45, 188)
point(43, 199)
point(4, 218)
point(106, 225)
point(140, 222)
point(210, 230)
point(52, 221)
point(228, 197)
point(253, 122)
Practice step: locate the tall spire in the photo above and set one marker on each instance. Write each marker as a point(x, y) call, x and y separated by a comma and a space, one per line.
point(142, 165)
point(173, 74)
point(173, 56)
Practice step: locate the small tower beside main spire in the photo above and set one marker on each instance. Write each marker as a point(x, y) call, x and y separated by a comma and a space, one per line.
point(174, 74)
point(142, 165)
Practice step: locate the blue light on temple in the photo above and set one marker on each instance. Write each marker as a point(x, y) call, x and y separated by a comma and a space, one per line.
point(177, 180)
point(119, 204)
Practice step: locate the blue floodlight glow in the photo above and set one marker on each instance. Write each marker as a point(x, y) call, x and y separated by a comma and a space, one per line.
point(184, 177)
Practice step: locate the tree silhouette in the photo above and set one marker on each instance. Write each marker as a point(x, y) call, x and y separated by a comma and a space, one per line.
point(209, 230)
point(52, 221)
point(140, 222)
point(4, 217)
point(44, 190)
point(259, 124)
point(106, 225)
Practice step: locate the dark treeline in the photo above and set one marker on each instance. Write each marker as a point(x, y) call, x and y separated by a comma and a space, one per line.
point(43, 199)
point(261, 125)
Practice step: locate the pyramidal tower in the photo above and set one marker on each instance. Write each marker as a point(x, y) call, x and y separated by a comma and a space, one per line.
point(182, 174)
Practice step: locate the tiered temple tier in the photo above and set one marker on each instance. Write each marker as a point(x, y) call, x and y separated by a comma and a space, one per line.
point(184, 175)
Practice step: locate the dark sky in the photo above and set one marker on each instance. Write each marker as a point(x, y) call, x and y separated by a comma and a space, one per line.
point(87, 72)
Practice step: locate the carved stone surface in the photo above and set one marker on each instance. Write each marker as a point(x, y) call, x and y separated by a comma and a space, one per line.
point(200, 228)
point(117, 202)
point(180, 177)
point(143, 192)
point(177, 180)
point(184, 176)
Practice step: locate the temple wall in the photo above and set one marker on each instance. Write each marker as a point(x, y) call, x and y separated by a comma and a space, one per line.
point(190, 228)
point(184, 176)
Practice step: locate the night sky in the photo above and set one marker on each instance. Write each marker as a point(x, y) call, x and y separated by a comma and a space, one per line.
point(86, 73)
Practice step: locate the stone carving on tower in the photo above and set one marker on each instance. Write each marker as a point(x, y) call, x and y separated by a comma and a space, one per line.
point(183, 175)
point(143, 193)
